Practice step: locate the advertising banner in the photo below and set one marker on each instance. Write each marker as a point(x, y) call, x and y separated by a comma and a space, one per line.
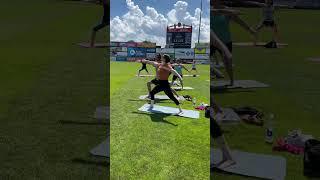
point(151, 55)
point(184, 53)
point(199, 50)
point(165, 50)
point(123, 54)
point(132, 59)
point(201, 56)
point(202, 45)
point(151, 50)
point(118, 58)
point(136, 52)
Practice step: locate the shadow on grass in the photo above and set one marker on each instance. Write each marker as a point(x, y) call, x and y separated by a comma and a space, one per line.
point(103, 163)
point(69, 122)
point(157, 117)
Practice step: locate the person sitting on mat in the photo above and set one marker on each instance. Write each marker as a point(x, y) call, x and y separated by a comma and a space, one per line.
point(194, 68)
point(155, 81)
point(216, 134)
point(220, 25)
point(178, 67)
point(163, 70)
point(105, 21)
point(143, 67)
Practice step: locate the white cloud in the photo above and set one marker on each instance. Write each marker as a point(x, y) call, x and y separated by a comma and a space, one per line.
point(151, 25)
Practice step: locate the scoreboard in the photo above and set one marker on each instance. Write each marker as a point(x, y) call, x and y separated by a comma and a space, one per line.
point(179, 36)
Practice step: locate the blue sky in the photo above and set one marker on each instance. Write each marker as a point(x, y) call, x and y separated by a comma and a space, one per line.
point(141, 20)
point(119, 7)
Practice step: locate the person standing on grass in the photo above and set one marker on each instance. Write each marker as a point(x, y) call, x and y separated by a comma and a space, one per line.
point(217, 136)
point(143, 67)
point(220, 27)
point(178, 67)
point(105, 21)
point(268, 21)
point(163, 71)
point(155, 81)
point(194, 68)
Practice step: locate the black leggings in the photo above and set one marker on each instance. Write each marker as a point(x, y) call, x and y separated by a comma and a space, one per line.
point(215, 130)
point(144, 68)
point(164, 86)
point(174, 77)
point(105, 19)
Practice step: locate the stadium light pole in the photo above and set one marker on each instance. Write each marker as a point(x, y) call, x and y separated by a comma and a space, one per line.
point(200, 22)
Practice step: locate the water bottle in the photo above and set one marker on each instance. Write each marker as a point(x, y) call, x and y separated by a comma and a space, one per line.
point(269, 130)
point(194, 101)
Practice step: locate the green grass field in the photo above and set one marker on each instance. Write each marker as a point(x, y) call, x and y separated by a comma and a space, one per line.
point(156, 146)
point(294, 92)
point(49, 90)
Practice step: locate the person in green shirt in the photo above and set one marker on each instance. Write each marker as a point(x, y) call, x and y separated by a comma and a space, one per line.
point(220, 29)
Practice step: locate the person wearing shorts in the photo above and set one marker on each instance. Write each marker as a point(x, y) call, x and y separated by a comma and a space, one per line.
point(268, 21)
point(104, 22)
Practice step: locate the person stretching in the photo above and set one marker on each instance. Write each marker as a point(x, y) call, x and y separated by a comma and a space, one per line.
point(217, 135)
point(155, 81)
point(194, 68)
point(163, 71)
point(143, 67)
point(178, 67)
point(268, 21)
point(105, 21)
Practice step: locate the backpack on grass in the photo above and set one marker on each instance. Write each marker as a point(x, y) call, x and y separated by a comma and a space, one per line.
point(312, 158)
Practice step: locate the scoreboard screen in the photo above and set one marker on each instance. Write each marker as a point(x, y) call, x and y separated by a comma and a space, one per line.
point(179, 36)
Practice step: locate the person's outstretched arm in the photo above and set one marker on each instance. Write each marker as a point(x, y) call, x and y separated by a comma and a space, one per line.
point(176, 74)
point(185, 68)
point(147, 62)
point(243, 24)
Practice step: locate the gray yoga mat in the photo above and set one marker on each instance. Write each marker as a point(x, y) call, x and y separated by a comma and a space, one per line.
point(245, 84)
point(160, 97)
point(103, 149)
point(229, 116)
point(258, 44)
point(102, 112)
point(170, 110)
point(96, 45)
point(179, 88)
point(253, 165)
